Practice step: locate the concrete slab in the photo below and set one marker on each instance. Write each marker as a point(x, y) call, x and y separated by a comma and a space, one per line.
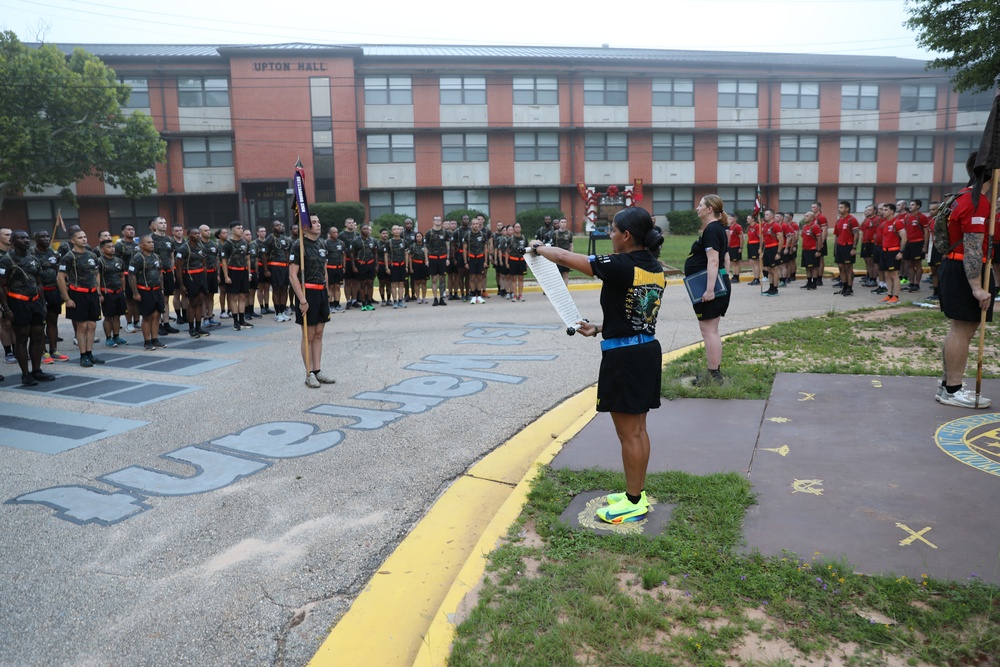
point(679, 438)
point(52, 431)
point(98, 389)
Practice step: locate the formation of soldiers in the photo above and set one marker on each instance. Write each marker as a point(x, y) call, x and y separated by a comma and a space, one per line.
point(893, 240)
point(139, 278)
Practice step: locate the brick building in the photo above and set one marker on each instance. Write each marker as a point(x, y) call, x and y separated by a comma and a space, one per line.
point(422, 130)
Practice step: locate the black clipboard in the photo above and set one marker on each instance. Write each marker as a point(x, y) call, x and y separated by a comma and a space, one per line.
point(697, 283)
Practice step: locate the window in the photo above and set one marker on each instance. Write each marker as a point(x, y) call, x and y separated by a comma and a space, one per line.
point(799, 95)
point(464, 148)
point(676, 147)
point(673, 93)
point(384, 148)
point(536, 90)
point(858, 149)
point(599, 146)
point(918, 98)
point(859, 96)
point(796, 200)
point(536, 146)
point(975, 101)
point(799, 148)
point(737, 198)
point(916, 149)
point(666, 200)
point(858, 197)
point(380, 203)
point(463, 90)
point(388, 90)
point(455, 200)
point(737, 147)
point(208, 152)
point(139, 96)
point(738, 94)
point(605, 92)
point(42, 216)
point(534, 198)
point(323, 174)
point(136, 212)
point(203, 92)
point(964, 145)
point(909, 193)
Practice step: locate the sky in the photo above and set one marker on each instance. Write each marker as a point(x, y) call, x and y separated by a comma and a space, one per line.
point(853, 27)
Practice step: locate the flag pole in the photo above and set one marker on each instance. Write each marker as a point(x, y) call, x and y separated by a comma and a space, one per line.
point(302, 212)
point(986, 282)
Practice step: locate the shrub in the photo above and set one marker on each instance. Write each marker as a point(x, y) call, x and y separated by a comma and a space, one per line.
point(333, 214)
point(531, 220)
point(683, 223)
point(386, 221)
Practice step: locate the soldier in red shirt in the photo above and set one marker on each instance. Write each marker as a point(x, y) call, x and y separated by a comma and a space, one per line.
point(868, 226)
point(934, 260)
point(893, 241)
point(735, 248)
point(848, 233)
point(753, 248)
point(879, 227)
point(791, 232)
point(811, 233)
point(817, 210)
point(963, 297)
point(917, 238)
point(774, 241)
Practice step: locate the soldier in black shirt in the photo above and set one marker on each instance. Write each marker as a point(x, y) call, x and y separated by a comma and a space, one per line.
point(114, 273)
point(79, 282)
point(460, 240)
point(561, 237)
point(125, 247)
point(189, 270)
point(382, 270)
point(363, 254)
point(395, 260)
point(438, 252)
point(235, 258)
point(409, 235)
point(475, 260)
point(350, 276)
point(276, 249)
point(49, 259)
point(515, 263)
point(164, 247)
point(145, 284)
point(336, 251)
point(253, 264)
point(211, 246)
point(22, 306)
point(307, 275)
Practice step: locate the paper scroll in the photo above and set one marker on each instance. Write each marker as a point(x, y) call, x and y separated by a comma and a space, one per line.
point(548, 277)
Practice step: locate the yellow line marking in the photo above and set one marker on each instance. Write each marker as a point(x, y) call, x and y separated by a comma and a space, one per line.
point(813, 486)
point(783, 450)
point(914, 536)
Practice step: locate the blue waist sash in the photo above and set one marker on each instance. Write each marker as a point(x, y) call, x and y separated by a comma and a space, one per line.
point(625, 341)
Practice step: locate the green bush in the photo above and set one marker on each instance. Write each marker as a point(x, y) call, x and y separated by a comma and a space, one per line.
point(531, 220)
point(683, 223)
point(387, 220)
point(333, 214)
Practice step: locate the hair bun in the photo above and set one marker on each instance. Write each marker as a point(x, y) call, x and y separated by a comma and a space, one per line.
point(653, 239)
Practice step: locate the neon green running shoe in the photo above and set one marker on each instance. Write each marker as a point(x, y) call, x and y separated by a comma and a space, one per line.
point(618, 497)
point(622, 511)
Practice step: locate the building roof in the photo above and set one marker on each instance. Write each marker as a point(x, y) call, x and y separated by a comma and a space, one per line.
point(486, 52)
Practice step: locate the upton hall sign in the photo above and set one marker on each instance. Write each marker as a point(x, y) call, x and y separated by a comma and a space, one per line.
point(289, 67)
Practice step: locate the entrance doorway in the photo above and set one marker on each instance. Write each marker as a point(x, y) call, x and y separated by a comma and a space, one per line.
point(266, 202)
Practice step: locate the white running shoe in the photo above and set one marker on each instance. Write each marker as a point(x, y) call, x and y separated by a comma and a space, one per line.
point(963, 398)
point(324, 378)
point(311, 381)
point(129, 328)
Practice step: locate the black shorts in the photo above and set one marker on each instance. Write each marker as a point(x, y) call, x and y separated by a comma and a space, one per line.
point(562, 269)
point(279, 276)
point(824, 249)
point(195, 284)
point(88, 307)
point(913, 251)
point(254, 282)
point(334, 276)
point(771, 257)
point(261, 278)
point(888, 260)
point(239, 282)
point(629, 379)
point(867, 249)
point(212, 281)
point(319, 308)
point(518, 267)
point(810, 259)
point(736, 254)
point(453, 264)
point(167, 282)
point(792, 256)
point(842, 254)
point(53, 300)
point(435, 265)
point(27, 313)
point(477, 266)
point(366, 271)
point(150, 301)
point(957, 302)
point(709, 310)
point(420, 272)
point(113, 305)
point(753, 251)
point(459, 262)
point(397, 272)
point(936, 256)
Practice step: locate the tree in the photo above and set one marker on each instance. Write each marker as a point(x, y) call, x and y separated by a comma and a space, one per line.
point(965, 29)
point(61, 120)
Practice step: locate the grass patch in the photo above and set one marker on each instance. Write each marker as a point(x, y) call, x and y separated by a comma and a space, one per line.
point(691, 597)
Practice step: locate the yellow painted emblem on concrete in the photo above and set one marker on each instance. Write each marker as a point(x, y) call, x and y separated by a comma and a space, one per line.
point(974, 440)
point(588, 518)
point(877, 384)
point(778, 420)
point(813, 486)
point(914, 536)
point(806, 396)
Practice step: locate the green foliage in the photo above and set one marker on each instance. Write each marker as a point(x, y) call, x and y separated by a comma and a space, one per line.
point(531, 220)
point(61, 120)
point(387, 220)
point(684, 223)
point(964, 29)
point(333, 214)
